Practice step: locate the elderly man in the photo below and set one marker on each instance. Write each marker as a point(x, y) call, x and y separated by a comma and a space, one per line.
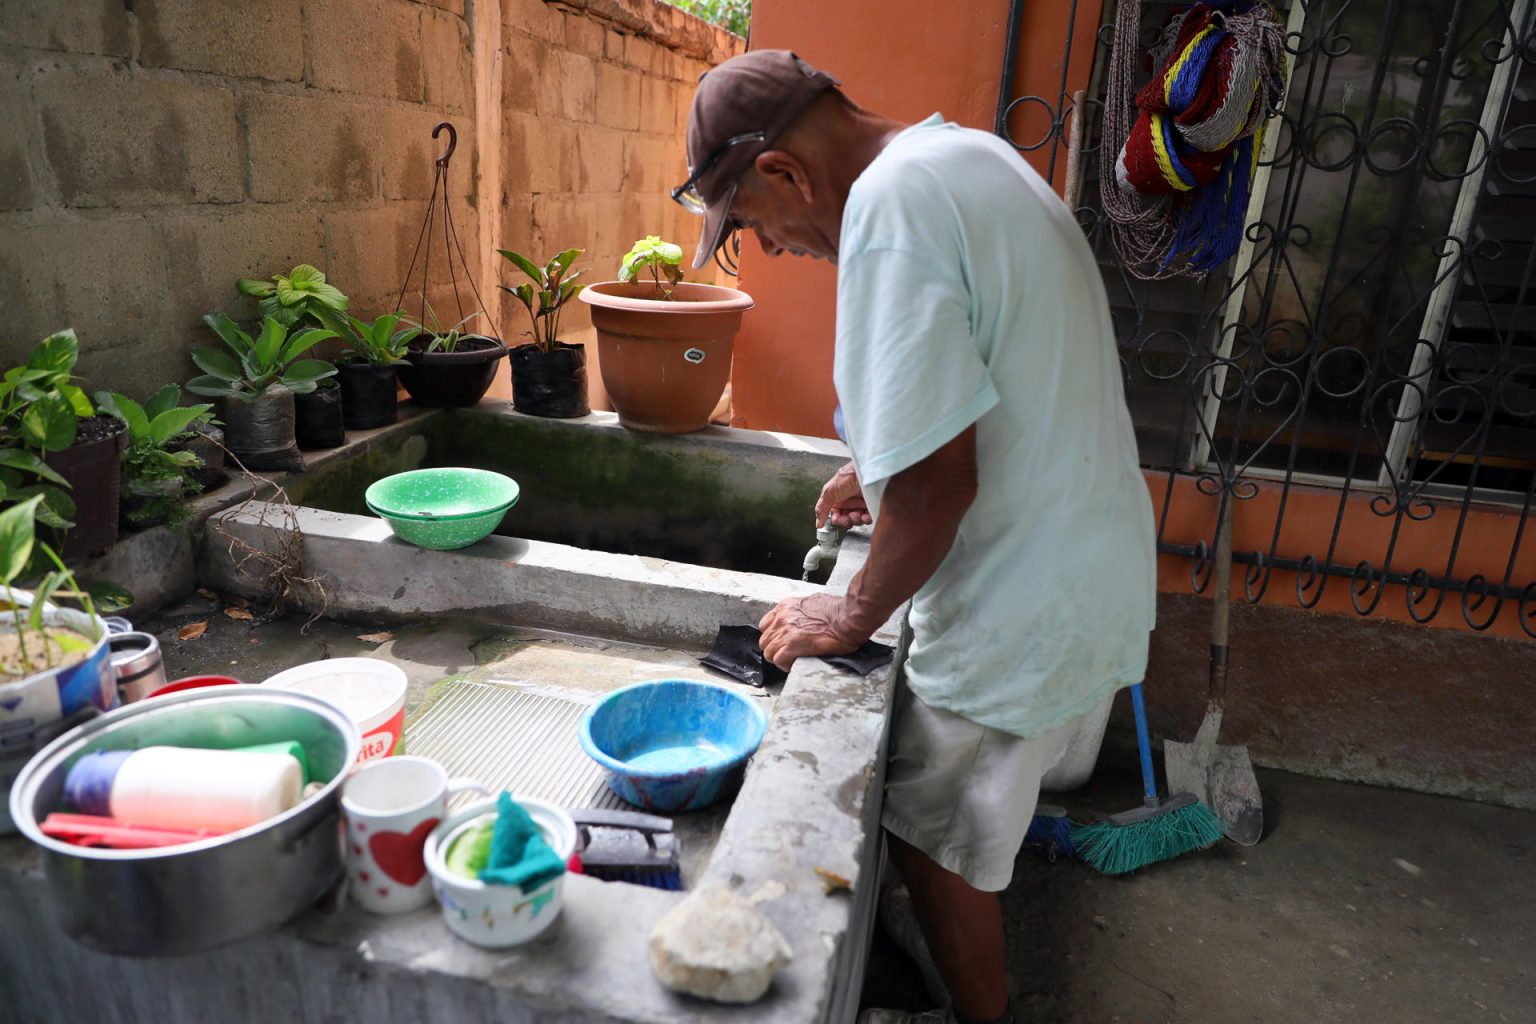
point(981, 398)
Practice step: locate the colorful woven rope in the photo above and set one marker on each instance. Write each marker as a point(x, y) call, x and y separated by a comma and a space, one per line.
point(1193, 147)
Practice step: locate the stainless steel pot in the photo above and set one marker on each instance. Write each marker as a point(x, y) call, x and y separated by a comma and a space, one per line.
point(188, 898)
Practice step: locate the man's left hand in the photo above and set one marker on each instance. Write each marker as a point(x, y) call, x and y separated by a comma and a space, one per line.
point(806, 627)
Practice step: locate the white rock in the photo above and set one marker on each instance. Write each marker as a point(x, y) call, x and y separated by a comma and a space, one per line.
point(717, 945)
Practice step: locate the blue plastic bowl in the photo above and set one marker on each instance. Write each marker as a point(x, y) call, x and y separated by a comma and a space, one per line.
point(673, 744)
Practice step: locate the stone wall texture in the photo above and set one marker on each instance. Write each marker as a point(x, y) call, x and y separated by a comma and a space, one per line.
point(153, 152)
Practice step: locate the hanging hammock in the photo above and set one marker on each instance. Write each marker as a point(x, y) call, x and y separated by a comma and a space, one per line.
point(1177, 194)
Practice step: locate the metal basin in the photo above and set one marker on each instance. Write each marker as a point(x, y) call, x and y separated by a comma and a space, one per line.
point(183, 899)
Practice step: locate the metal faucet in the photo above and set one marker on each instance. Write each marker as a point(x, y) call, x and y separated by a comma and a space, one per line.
point(828, 539)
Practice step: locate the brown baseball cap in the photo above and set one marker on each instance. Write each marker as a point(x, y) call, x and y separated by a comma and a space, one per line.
point(739, 111)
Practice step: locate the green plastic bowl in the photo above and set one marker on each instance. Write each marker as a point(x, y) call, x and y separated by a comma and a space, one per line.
point(442, 509)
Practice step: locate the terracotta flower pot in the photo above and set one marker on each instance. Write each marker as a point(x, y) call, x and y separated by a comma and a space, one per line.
point(665, 363)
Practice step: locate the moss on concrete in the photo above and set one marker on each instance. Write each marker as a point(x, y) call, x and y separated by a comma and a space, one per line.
point(339, 485)
point(678, 499)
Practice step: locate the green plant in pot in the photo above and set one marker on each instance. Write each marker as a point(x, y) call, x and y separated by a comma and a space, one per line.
point(157, 477)
point(54, 445)
point(447, 368)
point(300, 295)
point(257, 378)
point(549, 376)
point(369, 373)
point(664, 344)
point(55, 665)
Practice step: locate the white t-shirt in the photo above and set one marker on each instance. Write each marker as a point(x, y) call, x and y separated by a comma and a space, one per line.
point(967, 294)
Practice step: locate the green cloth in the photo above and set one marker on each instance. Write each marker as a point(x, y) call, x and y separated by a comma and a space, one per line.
point(519, 855)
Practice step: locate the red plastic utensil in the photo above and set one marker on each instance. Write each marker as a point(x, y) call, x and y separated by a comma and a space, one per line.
point(94, 830)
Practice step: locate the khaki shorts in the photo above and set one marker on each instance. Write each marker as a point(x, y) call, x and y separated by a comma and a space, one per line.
point(964, 793)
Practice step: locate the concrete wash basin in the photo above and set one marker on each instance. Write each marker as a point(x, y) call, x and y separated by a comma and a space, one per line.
point(726, 499)
point(643, 571)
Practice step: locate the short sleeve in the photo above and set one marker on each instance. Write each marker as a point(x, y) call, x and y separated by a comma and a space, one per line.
point(908, 374)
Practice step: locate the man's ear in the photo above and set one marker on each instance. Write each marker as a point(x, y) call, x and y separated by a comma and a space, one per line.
point(780, 167)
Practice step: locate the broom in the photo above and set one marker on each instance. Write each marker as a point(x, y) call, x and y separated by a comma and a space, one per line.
point(1160, 829)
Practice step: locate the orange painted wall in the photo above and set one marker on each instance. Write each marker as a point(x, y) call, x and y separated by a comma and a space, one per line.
point(905, 59)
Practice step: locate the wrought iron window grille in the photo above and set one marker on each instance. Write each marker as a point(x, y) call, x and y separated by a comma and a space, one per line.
point(1375, 337)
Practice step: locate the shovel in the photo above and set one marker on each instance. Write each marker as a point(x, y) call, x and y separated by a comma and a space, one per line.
point(1219, 776)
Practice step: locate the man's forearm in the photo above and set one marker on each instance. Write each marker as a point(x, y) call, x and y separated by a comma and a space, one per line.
point(920, 514)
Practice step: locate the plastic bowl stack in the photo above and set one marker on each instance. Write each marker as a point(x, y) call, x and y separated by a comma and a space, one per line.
point(442, 509)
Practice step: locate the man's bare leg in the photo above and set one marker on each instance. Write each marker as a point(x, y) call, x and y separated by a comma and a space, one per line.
point(964, 929)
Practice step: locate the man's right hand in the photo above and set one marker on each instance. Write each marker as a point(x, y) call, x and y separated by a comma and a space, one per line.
point(842, 500)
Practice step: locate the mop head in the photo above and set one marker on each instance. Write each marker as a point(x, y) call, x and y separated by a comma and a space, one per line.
point(1129, 841)
point(1050, 834)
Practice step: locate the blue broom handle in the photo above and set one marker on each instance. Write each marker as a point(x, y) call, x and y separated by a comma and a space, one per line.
point(1144, 744)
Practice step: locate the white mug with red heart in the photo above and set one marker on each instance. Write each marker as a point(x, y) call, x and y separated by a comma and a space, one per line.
point(389, 807)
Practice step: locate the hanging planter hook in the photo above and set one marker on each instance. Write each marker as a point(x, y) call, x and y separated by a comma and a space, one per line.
point(453, 142)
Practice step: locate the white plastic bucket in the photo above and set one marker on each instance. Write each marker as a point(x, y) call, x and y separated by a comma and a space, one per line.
point(369, 691)
point(1076, 766)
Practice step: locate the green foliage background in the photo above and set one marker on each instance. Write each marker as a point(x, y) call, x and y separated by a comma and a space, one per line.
point(732, 15)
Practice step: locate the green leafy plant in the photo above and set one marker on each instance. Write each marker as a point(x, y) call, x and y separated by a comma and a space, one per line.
point(382, 343)
point(663, 259)
point(439, 338)
point(731, 15)
point(290, 298)
point(546, 292)
point(257, 364)
point(150, 466)
point(37, 645)
point(40, 406)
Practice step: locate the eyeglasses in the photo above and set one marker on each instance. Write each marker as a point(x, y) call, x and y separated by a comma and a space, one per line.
point(687, 194)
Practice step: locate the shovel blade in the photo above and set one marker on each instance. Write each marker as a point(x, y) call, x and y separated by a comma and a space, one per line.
point(1221, 777)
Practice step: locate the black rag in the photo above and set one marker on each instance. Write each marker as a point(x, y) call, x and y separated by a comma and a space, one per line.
point(738, 652)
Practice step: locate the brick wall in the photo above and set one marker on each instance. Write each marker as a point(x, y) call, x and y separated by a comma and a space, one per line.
point(595, 97)
point(152, 152)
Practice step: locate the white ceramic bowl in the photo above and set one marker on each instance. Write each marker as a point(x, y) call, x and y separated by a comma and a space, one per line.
point(498, 916)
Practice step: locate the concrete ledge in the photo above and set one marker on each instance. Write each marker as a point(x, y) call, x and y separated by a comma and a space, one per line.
point(370, 574)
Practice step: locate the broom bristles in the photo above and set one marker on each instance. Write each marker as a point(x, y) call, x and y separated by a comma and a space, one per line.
point(1051, 834)
point(1119, 849)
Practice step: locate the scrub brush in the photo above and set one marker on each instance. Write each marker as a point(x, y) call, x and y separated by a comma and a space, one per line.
point(1160, 829)
point(625, 846)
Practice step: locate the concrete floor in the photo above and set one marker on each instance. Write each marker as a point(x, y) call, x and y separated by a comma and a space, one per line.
point(1361, 904)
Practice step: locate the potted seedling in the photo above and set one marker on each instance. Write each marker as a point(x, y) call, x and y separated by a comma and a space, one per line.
point(156, 477)
point(299, 296)
point(54, 445)
point(205, 439)
point(369, 373)
point(55, 666)
point(257, 379)
point(449, 368)
point(664, 344)
point(549, 376)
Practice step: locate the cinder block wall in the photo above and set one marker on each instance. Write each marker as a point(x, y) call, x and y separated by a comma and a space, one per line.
point(152, 152)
